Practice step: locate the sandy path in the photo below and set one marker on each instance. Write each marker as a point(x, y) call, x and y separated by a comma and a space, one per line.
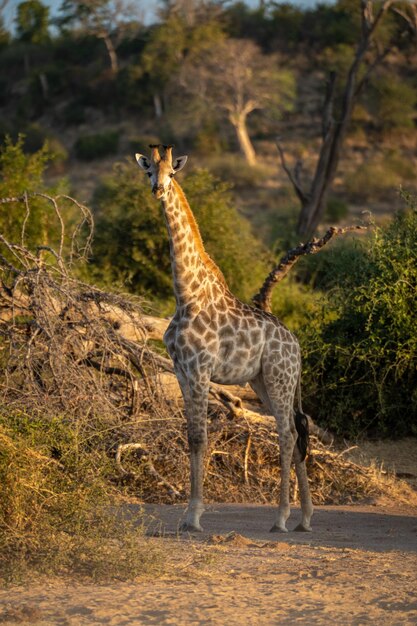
point(357, 567)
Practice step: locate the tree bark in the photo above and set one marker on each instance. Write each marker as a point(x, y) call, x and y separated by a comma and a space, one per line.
point(243, 138)
point(157, 103)
point(114, 64)
point(313, 201)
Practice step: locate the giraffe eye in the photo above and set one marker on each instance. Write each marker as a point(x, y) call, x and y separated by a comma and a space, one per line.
point(171, 175)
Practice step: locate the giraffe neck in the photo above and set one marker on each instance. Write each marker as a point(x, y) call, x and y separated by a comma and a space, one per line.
point(192, 268)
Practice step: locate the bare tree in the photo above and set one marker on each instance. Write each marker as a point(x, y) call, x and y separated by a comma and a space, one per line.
point(105, 19)
point(235, 79)
point(313, 199)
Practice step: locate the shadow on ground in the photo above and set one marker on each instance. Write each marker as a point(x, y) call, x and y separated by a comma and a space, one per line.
point(356, 527)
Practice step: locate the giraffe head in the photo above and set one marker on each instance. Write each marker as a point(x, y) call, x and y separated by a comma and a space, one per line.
point(160, 169)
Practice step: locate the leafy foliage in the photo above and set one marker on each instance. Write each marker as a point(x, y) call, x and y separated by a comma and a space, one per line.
point(32, 22)
point(362, 356)
point(24, 173)
point(392, 102)
point(89, 147)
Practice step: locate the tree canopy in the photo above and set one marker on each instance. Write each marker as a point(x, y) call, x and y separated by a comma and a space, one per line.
point(32, 22)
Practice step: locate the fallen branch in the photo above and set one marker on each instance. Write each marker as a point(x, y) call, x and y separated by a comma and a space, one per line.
point(149, 466)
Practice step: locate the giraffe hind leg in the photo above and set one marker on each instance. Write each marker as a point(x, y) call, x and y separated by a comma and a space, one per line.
point(258, 385)
point(300, 452)
point(304, 489)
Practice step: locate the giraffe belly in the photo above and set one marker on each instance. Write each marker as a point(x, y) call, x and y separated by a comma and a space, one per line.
point(233, 378)
point(236, 367)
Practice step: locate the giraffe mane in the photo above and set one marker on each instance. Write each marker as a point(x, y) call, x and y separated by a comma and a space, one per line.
point(207, 260)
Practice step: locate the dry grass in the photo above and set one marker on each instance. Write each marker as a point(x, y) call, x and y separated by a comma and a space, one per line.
point(72, 388)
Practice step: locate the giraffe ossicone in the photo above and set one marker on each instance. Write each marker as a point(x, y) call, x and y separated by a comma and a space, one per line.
point(213, 337)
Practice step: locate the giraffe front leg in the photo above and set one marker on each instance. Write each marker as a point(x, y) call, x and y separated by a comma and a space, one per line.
point(286, 447)
point(196, 411)
point(198, 445)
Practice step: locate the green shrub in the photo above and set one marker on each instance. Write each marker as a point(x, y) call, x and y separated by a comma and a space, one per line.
point(234, 169)
point(34, 138)
point(90, 147)
point(361, 357)
point(227, 235)
point(73, 113)
point(378, 178)
point(130, 244)
point(20, 173)
point(296, 304)
point(392, 102)
point(336, 210)
point(209, 140)
point(342, 262)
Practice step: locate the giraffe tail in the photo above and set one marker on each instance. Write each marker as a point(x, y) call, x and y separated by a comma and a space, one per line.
point(301, 425)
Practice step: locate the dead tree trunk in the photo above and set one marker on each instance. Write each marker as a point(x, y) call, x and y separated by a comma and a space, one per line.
point(313, 200)
point(111, 51)
point(157, 103)
point(245, 144)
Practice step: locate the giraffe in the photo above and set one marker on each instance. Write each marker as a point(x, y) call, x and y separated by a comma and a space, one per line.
point(213, 337)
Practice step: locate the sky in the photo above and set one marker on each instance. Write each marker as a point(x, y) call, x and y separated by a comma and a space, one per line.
point(146, 6)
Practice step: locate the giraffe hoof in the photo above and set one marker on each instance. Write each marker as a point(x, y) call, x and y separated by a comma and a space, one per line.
point(303, 529)
point(190, 528)
point(278, 529)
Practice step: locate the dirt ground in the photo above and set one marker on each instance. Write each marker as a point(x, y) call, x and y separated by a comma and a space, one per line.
point(358, 566)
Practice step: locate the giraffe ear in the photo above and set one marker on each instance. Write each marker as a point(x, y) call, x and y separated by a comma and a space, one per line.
point(143, 161)
point(179, 163)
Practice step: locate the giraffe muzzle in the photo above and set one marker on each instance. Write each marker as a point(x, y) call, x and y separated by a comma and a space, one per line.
point(158, 191)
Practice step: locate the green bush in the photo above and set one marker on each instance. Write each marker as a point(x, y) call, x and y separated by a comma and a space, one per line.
point(20, 173)
point(296, 304)
point(377, 179)
point(336, 210)
point(73, 113)
point(235, 170)
point(35, 137)
point(392, 102)
point(90, 147)
point(341, 263)
point(361, 356)
point(130, 245)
